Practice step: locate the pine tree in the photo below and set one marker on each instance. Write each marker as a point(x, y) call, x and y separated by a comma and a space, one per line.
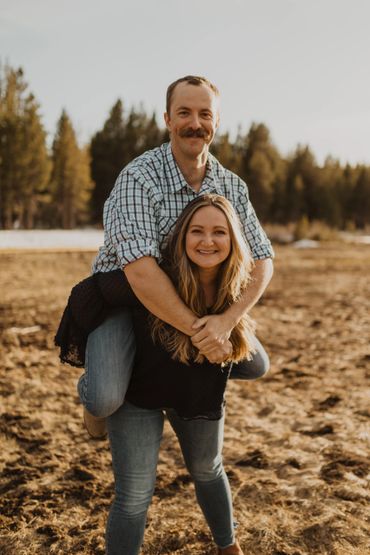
point(70, 181)
point(226, 153)
point(12, 87)
point(24, 164)
point(141, 133)
point(346, 190)
point(108, 157)
point(118, 143)
point(261, 167)
point(154, 136)
point(279, 201)
point(37, 164)
point(330, 192)
point(361, 198)
point(301, 183)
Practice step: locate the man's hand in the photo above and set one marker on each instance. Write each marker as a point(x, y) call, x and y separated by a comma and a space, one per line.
point(211, 332)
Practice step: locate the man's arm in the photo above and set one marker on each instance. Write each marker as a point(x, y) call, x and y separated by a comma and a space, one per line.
point(156, 292)
point(130, 225)
point(216, 329)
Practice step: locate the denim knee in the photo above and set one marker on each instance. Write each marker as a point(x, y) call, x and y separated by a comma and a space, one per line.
point(102, 406)
point(260, 364)
point(206, 470)
point(133, 504)
point(252, 369)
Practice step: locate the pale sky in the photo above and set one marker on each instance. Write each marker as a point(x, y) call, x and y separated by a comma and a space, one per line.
point(302, 67)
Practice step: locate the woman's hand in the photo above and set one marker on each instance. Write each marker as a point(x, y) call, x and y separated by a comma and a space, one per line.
point(221, 354)
point(211, 336)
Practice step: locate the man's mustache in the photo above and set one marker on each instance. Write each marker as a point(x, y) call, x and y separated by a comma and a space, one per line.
point(198, 133)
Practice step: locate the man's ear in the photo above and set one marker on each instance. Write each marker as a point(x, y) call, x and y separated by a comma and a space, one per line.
point(167, 121)
point(218, 120)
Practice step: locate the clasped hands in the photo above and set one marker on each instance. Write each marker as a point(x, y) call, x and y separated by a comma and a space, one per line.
point(211, 337)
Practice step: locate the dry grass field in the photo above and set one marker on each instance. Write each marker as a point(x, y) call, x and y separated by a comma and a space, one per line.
point(296, 445)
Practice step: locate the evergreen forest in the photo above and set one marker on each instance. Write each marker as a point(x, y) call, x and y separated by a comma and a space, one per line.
point(65, 186)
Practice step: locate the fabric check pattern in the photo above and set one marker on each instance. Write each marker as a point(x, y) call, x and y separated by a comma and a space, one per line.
point(149, 195)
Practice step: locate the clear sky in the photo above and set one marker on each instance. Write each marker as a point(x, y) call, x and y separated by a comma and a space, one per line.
point(302, 67)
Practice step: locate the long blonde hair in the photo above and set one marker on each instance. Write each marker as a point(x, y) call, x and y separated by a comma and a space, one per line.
point(232, 279)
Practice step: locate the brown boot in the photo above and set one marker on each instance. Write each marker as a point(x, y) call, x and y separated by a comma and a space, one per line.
point(96, 427)
point(231, 550)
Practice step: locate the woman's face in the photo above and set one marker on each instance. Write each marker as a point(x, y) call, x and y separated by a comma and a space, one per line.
point(207, 241)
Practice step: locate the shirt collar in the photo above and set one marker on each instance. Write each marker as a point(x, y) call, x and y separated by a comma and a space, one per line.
point(177, 181)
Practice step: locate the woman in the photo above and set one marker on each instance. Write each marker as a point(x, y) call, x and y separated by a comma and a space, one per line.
point(209, 262)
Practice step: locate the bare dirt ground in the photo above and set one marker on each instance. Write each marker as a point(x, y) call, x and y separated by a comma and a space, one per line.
point(296, 444)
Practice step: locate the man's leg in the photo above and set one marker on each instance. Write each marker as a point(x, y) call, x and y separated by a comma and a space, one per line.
point(252, 369)
point(109, 359)
point(135, 435)
point(201, 444)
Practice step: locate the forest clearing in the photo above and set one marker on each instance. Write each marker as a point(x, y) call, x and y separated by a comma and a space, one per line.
point(296, 442)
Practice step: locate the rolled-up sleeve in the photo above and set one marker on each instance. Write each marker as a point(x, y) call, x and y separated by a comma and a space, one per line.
point(257, 239)
point(131, 219)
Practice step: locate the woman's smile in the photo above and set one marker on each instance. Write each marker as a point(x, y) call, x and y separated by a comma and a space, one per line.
point(208, 238)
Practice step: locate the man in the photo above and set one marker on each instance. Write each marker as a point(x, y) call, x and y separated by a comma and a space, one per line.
point(143, 206)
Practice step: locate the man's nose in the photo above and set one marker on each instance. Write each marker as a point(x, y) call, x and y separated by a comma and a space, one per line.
point(194, 121)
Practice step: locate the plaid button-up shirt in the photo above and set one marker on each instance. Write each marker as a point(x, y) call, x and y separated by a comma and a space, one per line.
point(149, 195)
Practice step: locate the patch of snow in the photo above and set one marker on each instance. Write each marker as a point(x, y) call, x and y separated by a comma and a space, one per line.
point(355, 238)
point(306, 244)
point(89, 239)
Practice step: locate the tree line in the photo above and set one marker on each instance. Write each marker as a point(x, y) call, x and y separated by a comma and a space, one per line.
point(66, 186)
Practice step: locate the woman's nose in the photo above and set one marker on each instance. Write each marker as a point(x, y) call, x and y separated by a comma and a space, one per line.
point(207, 239)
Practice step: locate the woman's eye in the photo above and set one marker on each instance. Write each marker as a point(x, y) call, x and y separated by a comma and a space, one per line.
point(196, 232)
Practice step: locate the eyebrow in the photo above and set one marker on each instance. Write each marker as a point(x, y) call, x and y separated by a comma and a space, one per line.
point(201, 110)
point(215, 226)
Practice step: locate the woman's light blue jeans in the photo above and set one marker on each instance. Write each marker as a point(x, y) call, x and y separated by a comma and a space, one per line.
point(110, 356)
point(135, 435)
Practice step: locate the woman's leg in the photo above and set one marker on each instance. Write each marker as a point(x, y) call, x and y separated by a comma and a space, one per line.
point(110, 354)
point(135, 435)
point(201, 444)
point(252, 369)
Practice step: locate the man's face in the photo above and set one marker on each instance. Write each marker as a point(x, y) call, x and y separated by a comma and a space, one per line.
point(193, 119)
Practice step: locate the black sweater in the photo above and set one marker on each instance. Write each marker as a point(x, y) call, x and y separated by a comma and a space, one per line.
point(193, 390)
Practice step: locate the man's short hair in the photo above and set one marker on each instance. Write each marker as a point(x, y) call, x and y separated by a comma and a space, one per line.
point(191, 80)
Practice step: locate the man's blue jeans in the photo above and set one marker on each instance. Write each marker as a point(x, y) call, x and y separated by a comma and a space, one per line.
point(135, 435)
point(110, 355)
